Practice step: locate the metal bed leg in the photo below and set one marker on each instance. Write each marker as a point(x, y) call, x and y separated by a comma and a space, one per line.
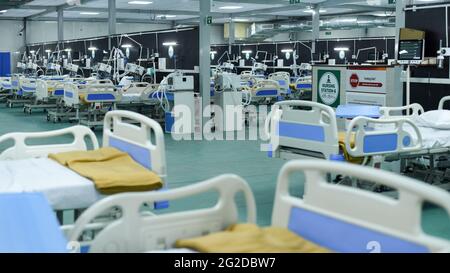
point(60, 216)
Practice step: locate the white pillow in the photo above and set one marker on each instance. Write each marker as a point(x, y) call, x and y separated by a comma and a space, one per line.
point(437, 119)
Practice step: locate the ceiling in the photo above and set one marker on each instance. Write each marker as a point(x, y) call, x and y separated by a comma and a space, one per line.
point(186, 11)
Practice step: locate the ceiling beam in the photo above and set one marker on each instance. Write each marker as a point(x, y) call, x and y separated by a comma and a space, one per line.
point(55, 8)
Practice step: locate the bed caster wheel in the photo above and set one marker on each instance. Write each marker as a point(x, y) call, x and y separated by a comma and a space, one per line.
point(48, 118)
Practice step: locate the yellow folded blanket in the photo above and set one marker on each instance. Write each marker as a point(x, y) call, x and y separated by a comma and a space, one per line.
point(249, 238)
point(111, 170)
point(343, 148)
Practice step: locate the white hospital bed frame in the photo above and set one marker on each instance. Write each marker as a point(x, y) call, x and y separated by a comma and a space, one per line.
point(340, 218)
point(135, 139)
point(98, 94)
point(314, 133)
point(283, 79)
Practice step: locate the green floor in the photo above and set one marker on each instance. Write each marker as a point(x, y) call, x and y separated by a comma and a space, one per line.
point(192, 161)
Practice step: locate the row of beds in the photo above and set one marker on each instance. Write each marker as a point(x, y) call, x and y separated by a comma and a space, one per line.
point(276, 86)
point(69, 98)
point(339, 218)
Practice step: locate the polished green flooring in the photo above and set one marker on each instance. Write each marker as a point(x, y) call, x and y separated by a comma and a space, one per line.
point(192, 161)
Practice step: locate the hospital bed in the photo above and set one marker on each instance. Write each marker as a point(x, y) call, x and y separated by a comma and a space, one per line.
point(24, 167)
point(283, 79)
point(263, 91)
point(308, 129)
point(87, 101)
point(430, 162)
point(302, 88)
point(5, 83)
point(48, 91)
point(5, 88)
point(24, 89)
point(337, 217)
point(137, 93)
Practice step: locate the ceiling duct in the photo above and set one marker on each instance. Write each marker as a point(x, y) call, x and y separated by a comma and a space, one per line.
point(9, 4)
point(261, 31)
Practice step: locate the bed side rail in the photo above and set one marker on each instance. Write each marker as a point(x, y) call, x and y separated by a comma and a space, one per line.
point(136, 231)
point(382, 136)
point(313, 129)
point(413, 110)
point(22, 150)
point(348, 219)
point(132, 133)
point(443, 101)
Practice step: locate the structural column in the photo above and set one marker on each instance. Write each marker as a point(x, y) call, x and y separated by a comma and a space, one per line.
point(231, 34)
point(315, 27)
point(205, 48)
point(60, 12)
point(399, 22)
point(112, 19)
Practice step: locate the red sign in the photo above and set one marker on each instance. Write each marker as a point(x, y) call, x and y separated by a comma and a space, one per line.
point(354, 80)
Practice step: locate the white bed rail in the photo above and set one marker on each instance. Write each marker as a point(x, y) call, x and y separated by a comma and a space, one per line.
point(138, 232)
point(400, 218)
point(41, 89)
point(442, 102)
point(382, 136)
point(413, 110)
point(319, 115)
point(136, 129)
point(22, 150)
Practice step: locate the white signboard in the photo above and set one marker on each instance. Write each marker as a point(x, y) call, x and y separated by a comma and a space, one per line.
point(367, 80)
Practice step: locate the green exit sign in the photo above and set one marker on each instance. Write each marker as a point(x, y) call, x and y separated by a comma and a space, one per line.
point(328, 33)
point(209, 20)
point(392, 1)
point(294, 2)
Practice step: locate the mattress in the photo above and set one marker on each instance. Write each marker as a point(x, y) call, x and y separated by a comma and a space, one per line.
point(63, 188)
point(434, 138)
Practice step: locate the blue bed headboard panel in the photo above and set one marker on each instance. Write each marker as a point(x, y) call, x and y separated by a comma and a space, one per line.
point(380, 143)
point(138, 153)
point(267, 93)
point(301, 131)
point(340, 236)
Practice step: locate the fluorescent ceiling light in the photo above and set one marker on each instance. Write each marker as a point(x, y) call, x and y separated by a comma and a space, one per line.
point(241, 20)
point(92, 48)
point(166, 16)
point(126, 46)
point(246, 51)
point(48, 51)
point(287, 50)
point(68, 49)
point(341, 49)
point(313, 11)
point(140, 2)
point(32, 51)
point(170, 44)
point(231, 7)
point(213, 52)
point(3, 11)
point(89, 13)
